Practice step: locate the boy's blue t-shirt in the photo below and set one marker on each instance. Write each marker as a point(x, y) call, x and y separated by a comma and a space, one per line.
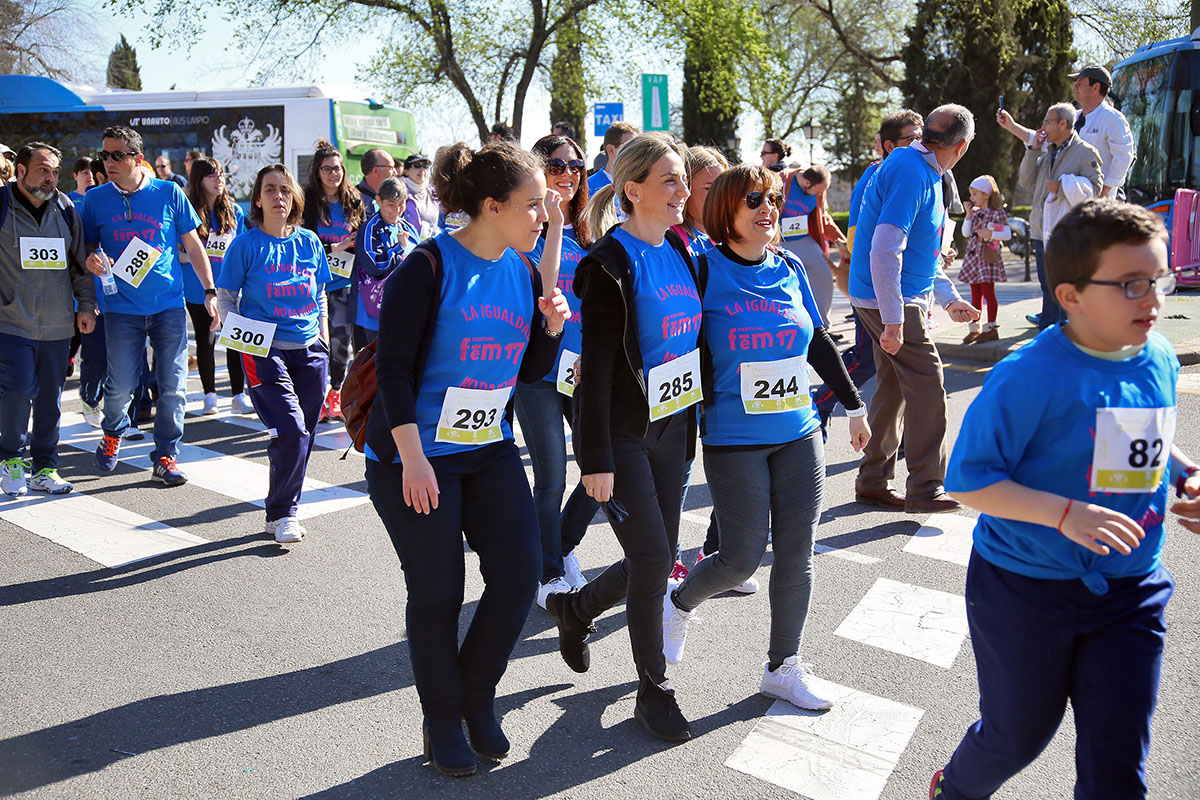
point(905, 192)
point(757, 313)
point(480, 337)
point(76, 198)
point(159, 214)
point(1036, 422)
point(572, 254)
point(337, 230)
point(856, 194)
point(279, 280)
point(193, 292)
point(797, 203)
point(666, 301)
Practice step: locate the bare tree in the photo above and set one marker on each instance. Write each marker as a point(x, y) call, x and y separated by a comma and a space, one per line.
point(37, 37)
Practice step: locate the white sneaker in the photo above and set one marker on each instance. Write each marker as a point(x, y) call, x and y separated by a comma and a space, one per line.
point(549, 588)
point(12, 477)
point(48, 480)
point(242, 404)
point(675, 624)
point(748, 586)
point(210, 404)
point(574, 573)
point(286, 530)
point(791, 682)
point(92, 415)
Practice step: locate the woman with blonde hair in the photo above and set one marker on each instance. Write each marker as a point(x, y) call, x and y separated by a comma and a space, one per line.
point(703, 165)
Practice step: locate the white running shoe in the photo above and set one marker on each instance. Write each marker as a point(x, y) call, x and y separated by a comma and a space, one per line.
point(92, 415)
point(748, 586)
point(549, 588)
point(47, 480)
point(242, 404)
point(574, 573)
point(12, 477)
point(286, 530)
point(793, 683)
point(210, 404)
point(675, 625)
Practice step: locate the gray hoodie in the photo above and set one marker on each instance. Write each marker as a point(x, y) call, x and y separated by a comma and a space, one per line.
point(40, 304)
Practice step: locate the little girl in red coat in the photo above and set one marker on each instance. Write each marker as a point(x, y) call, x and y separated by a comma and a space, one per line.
point(982, 265)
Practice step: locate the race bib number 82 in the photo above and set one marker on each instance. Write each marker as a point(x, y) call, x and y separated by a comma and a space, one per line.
point(1133, 447)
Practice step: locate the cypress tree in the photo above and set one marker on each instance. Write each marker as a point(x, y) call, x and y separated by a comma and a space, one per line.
point(123, 71)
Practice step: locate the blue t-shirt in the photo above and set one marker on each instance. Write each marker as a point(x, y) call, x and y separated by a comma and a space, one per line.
point(666, 302)
point(159, 214)
point(1035, 422)
point(337, 230)
point(764, 312)
point(480, 337)
point(856, 194)
point(598, 182)
point(279, 279)
point(76, 198)
point(193, 292)
point(797, 203)
point(383, 246)
point(572, 253)
point(905, 192)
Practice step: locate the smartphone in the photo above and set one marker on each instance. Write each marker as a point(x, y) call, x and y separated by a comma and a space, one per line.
point(1001, 102)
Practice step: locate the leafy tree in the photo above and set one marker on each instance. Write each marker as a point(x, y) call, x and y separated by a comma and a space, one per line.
point(567, 81)
point(1118, 27)
point(123, 71)
point(858, 107)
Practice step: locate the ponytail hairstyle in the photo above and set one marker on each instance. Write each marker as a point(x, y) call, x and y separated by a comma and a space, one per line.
point(697, 159)
point(316, 207)
point(633, 163)
point(779, 148)
point(202, 167)
point(544, 148)
point(463, 178)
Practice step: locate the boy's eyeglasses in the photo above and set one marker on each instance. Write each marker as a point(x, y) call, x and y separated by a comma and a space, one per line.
point(116, 155)
point(556, 166)
point(1140, 287)
point(755, 199)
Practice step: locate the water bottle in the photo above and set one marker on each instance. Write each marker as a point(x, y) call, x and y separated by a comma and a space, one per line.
point(109, 281)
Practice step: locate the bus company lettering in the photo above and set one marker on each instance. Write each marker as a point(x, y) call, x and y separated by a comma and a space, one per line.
point(481, 348)
point(498, 313)
point(765, 306)
point(680, 323)
point(676, 290)
point(756, 338)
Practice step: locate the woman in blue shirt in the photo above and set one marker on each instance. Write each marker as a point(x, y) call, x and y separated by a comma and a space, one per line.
point(279, 271)
point(222, 220)
point(636, 421)
point(333, 209)
point(462, 320)
point(543, 405)
point(763, 452)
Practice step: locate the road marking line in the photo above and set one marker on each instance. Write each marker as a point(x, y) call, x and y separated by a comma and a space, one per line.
point(910, 620)
point(846, 753)
point(824, 549)
point(1189, 383)
point(232, 476)
point(105, 533)
point(330, 438)
point(946, 537)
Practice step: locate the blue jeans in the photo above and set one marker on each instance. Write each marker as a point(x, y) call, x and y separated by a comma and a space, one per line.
point(95, 364)
point(1052, 312)
point(126, 336)
point(32, 374)
point(540, 410)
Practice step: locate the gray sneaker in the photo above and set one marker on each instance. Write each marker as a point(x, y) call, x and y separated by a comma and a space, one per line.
point(12, 477)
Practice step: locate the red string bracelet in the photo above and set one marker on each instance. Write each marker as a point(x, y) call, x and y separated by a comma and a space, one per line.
point(1066, 511)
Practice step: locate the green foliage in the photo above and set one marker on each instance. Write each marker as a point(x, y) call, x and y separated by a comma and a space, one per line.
point(123, 71)
point(1113, 29)
point(853, 119)
point(568, 100)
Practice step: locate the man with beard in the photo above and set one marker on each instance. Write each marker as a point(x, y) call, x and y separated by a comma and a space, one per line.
point(42, 277)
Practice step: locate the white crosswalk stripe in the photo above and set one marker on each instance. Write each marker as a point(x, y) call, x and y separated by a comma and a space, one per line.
point(946, 537)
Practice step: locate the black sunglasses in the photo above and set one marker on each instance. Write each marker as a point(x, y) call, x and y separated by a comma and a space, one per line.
point(755, 199)
point(116, 155)
point(556, 166)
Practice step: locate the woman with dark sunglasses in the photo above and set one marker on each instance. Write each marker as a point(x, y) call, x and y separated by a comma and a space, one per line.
point(774, 154)
point(543, 405)
point(763, 454)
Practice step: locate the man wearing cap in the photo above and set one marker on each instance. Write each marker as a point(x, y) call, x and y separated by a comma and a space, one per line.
point(377, 166)
point(421, 210)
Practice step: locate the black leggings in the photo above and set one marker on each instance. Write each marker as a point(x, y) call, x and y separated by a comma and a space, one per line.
point(206, 362)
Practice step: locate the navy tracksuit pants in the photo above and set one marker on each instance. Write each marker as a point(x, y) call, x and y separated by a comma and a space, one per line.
point(1039, 643)
point(287, 388)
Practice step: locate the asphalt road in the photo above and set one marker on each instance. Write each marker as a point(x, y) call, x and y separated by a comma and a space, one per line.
point(234, 668)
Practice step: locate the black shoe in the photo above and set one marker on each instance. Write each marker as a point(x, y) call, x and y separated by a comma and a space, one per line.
point(1034, 319)
point(659, 714)
point(447, 749)
point(484, 733)
point(573, 632)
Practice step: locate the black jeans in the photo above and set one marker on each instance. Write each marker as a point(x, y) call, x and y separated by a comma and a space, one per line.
point(483, 494)
point(648, 485)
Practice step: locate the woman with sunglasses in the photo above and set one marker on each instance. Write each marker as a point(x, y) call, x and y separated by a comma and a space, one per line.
point(221, 220)
point(808, 229)
point(333, 209)
point(763, 453)
point(774, 154)
point(543, 405)
point(635, 420)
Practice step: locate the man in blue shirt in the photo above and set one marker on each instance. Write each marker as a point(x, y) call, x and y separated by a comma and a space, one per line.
point(133, 226)
point(614, 138)
point(895, 274)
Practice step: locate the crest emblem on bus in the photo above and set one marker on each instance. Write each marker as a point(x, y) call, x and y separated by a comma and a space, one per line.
point(244, 151)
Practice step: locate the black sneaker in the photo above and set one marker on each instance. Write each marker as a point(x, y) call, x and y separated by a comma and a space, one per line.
point(573, 632)
point(658, 712)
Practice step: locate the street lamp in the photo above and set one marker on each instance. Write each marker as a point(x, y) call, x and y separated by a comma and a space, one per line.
point(811, 130)
point(734, 146)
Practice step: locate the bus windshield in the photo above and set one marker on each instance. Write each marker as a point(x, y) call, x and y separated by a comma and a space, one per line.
point(1158, 96)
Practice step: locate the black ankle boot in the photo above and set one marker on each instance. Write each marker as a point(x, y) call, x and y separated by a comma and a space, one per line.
point(658, 712)
point(483, 731)
point(573, 632)
point(447, 749)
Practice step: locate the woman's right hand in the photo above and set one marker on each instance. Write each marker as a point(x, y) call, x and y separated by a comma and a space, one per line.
point(420, 485)
point(599, 486)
